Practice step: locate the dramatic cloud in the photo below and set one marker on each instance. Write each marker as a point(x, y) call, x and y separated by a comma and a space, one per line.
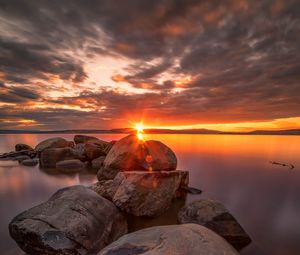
point(102, 63)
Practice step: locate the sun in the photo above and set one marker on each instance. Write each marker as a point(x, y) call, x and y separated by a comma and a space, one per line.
point(139, 127)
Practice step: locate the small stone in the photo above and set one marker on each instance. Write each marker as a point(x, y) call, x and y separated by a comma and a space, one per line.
point(30, 162)
point(22, 146)
point(21, 158)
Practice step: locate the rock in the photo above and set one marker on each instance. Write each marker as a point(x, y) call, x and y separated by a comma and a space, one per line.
point(21, 158)
point(187, 239)
point(49, 157)
point(79, 150)
point(71, 144)
point(84, 139)
point(70, 165)
point(215, 216)
point(98, 162)
point(132, 154)
point(109, 146)
point(192, 190)
point(75, 220)
point(56, 142)
point(147, 193)
point(22, 146)
point(105, 189)
point(94, 150)
point(30, 162)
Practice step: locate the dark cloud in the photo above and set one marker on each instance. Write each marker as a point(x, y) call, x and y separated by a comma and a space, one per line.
point(242, 58)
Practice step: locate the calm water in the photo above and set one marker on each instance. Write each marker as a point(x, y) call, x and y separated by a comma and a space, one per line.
point(233, 169)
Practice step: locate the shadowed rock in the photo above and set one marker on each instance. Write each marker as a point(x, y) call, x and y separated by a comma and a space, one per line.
point(215, 216)
point(98, 162)
point(49, 157)
point(132, 154)
point(187, 239)
point(75, 220)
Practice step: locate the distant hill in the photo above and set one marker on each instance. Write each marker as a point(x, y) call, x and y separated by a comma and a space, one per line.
point(151, 131)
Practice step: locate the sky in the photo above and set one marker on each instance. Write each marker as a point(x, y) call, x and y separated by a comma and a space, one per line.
point(226, 65)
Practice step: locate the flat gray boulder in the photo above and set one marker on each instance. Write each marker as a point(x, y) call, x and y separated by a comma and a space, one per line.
point(75, 220)
point(55, 142)
point(146, 193)
point(213, 215)
point(187, 239)
point(132, 154)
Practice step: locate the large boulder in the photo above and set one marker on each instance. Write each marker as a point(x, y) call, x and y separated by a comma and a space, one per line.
point(22, 146)
point(55, 142)
point(213, 215)
point(75, 220)
point(188, 239)
point(132, 154)
point(147, 193)
point(95, 150)
point(49, 157)
point(70, 166)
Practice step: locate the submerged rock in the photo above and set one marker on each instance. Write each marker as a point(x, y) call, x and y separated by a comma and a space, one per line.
point(49, 157)
point(22, 146)
point(70, 165)
point(55, 142)
point(75, 220)
point(132, 154)
point(187, 239)
point(30, 162)
point(147, 193)
point(216, 217)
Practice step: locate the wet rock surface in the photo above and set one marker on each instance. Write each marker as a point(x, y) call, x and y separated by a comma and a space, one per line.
point(187, 239)
point(75, 220)
point(213, 215)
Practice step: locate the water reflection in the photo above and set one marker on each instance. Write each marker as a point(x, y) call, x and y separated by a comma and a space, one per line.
point(232, 169)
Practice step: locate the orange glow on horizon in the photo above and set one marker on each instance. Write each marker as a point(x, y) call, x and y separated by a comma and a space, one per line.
point(276, 124)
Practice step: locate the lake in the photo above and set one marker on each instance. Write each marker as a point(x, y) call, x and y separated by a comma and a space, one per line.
point(234, 169)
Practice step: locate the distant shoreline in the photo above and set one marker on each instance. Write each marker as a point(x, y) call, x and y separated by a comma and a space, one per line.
point(153, 131)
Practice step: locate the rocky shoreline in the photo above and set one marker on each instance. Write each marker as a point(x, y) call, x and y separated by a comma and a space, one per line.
point(136, 178)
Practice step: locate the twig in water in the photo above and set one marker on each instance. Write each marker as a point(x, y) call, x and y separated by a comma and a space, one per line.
point(290, 166)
